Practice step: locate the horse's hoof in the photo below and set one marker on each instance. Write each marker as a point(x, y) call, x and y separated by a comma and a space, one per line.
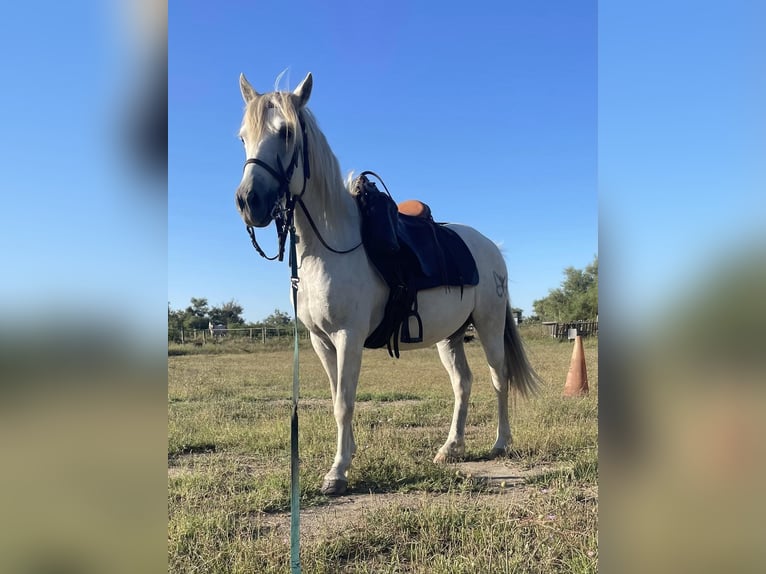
point(442, 458)
point(334, 487)
point(497, 453)
point(506, 452)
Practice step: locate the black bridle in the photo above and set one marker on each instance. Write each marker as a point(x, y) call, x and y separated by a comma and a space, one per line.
point(283, 214)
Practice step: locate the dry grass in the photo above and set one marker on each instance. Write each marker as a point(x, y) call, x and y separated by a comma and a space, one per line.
point(228, 456)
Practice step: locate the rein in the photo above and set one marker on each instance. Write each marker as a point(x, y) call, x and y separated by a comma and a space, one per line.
point(283, 214)
point(283, 218)
point(319, 235)
point(295, 493)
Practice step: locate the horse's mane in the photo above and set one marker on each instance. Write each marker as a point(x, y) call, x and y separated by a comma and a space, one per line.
point(325, 170)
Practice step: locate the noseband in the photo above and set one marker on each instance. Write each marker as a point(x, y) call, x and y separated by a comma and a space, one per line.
point(283, 214)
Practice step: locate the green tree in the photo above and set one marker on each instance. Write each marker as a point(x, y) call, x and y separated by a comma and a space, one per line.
point(199, 314)
point(195, 316)
point(175, 321)
point(575, 300)
point(198, 307)
point(229, 314)
point(278, 319)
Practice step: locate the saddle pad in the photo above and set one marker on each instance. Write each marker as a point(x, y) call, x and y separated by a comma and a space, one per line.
point(442, 256)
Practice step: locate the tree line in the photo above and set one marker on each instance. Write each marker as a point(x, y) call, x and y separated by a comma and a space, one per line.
point(576, 299)
point(199, 314)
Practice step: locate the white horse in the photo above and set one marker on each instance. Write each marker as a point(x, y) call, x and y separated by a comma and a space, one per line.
point(341, 297)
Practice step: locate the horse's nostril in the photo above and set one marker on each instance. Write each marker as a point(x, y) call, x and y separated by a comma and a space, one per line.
point(240, 202)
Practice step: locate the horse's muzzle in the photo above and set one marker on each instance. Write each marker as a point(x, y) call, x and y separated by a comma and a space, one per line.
point(255, 211)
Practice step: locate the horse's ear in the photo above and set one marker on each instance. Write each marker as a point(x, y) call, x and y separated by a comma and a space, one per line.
point(303, 91)
point(248, 93)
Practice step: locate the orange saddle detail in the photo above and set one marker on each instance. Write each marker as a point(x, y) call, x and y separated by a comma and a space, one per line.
point(414, 208)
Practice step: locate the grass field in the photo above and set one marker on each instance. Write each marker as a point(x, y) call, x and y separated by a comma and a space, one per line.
point(228, 467)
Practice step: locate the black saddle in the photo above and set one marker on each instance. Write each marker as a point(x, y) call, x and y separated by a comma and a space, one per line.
point(411, 252)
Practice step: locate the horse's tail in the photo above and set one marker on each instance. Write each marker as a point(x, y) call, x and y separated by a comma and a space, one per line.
point(522, 376)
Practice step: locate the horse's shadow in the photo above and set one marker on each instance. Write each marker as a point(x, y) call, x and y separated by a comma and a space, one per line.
point(452, 477)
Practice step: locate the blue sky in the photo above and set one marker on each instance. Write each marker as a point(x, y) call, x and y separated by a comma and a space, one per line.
point(83, 227)
point(491, 116)
point(682, 143)
point(487, 115)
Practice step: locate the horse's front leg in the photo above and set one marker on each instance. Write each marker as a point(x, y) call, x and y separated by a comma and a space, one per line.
point(349, 356)
point(325, 350)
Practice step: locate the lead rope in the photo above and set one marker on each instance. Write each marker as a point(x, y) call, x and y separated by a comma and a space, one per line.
point(295, 507)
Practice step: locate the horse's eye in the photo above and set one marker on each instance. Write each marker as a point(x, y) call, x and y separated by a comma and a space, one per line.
point(269, 104)
point(286, 132)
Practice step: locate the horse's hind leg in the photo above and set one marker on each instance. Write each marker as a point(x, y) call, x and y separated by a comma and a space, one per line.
point(452, 355)
point(490, 329)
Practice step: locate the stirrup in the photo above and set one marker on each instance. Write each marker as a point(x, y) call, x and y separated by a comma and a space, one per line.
point(406, 337)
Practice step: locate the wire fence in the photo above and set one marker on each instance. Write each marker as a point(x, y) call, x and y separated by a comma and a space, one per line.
point(285, 333)
point(219, 335)
point(571, 329)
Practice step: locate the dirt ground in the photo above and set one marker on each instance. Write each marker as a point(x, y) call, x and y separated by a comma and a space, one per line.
point(505, 484)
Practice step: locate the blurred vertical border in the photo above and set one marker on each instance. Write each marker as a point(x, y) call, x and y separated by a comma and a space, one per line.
point(83, 421)
point(682, 245)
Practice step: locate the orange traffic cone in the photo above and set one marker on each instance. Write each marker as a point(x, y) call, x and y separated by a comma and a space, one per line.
point(577, 377)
